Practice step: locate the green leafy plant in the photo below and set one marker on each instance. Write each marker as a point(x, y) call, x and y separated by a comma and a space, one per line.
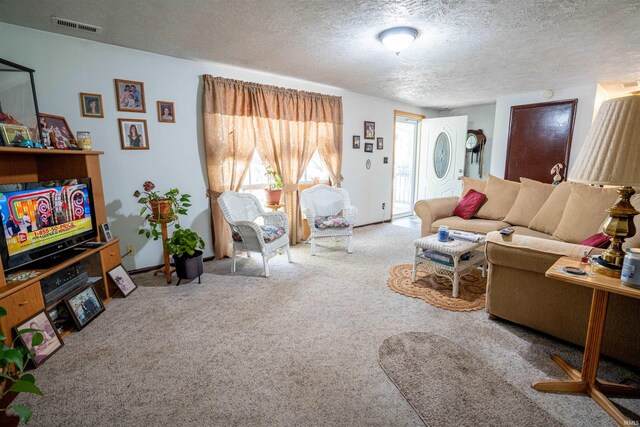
point(184, 242)
point(13, 379)
point(179, 204)
point(274, 179)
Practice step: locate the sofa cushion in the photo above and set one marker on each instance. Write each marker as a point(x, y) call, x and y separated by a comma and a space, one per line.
point(331, 221)
point(524, 231)
point(474, 225)
point(531, 197)
point(501, 194)
point(550, 214)
point(472, 184)
point(469, 204)
point(585, 212)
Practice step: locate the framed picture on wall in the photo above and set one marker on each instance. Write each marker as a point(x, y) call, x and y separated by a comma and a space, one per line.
point(369, 130)
point(166, 112)
point(356, 142)
point(91, 105)
point(130, 96)
point(380, 143)
point(368, 147)
point(58, 131)
point(133, 134)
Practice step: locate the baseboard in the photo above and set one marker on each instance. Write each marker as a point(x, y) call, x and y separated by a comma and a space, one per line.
point(155, 267)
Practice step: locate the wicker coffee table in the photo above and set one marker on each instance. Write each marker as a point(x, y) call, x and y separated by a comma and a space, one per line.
point(455, 248)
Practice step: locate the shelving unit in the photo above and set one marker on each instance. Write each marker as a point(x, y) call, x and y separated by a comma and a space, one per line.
point(24, 299)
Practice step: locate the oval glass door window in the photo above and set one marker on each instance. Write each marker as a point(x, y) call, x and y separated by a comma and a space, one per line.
point(442, 155)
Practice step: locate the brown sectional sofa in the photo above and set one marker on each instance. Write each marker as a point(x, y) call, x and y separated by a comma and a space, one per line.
point(517, 289)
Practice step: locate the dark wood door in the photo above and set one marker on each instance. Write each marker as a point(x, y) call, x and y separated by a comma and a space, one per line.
point(539, 137)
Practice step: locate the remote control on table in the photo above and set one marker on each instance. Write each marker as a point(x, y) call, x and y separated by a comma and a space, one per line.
point(507, 231)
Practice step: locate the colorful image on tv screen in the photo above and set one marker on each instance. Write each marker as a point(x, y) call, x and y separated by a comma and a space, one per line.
point(36, 218)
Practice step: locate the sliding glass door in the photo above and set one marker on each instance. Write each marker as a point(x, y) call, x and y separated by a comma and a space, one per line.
point(404, 165)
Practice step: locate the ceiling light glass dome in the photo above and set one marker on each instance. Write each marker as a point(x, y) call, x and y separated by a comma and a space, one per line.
point(398, 39)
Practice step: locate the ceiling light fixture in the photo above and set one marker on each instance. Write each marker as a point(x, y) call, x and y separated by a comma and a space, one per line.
point(398, 39)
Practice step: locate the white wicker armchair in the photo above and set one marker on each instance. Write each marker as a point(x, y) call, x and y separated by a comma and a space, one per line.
point(329, 214)
point(241, 210)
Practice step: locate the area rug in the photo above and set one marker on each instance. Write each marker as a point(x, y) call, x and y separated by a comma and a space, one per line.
point(447, 385)
point(437, 290)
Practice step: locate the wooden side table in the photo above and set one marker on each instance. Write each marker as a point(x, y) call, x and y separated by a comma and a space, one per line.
point(274, 207)
point(585, 380)
point(166, 269)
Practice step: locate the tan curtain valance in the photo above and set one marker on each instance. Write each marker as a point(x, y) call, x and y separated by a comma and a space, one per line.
point(238, 98)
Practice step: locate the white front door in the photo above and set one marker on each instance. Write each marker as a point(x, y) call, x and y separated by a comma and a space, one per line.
point(442, 157)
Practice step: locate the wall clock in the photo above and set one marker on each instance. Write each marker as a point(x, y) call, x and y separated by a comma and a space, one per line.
point(474, 144)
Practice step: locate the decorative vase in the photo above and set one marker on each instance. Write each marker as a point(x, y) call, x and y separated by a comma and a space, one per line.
point(160, 209)
point(273, 196)
point(189, 267)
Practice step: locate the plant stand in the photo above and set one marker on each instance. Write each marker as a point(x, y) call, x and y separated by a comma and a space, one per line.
point(166, 269)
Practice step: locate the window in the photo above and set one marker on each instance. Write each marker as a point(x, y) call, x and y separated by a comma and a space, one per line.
point(256, 180)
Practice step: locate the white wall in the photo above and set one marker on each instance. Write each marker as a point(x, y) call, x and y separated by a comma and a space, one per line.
point(66, 66)
point(585, 94)
point(479, 117)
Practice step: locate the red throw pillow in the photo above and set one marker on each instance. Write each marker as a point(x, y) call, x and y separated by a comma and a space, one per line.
point(469, 204)
point(599, 240)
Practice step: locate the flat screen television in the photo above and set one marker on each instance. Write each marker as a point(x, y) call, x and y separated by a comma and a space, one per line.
point(41, 221)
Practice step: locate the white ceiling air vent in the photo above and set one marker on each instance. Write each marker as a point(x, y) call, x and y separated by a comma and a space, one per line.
point(75, 25)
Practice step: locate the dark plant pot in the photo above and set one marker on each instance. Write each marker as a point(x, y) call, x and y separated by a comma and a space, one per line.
point(189, 267)
point(8, 420)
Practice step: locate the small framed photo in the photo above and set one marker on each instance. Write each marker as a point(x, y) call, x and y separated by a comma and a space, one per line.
point(51, 340)
point(133, 134)
point(91, 104)
point(369, 130)
point(130, 96)
point(166, 112)
point(84, 306)
point(356, 142)
point(380, 144)
point(123, 281)
point(106, 233)
point(14, 134)
point(368, 147)
point(58, 131)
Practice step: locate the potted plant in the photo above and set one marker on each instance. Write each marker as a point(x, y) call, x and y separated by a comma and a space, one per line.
point(158, 208)
point(184, 245)
point(274, 192)
point(13, 379)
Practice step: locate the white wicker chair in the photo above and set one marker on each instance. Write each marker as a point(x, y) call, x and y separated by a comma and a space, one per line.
point(241, 210)
point(323, 201)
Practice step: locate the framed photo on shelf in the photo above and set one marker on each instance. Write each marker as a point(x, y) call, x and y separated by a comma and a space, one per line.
point(91, 105)
point(380, 143)
point(130, 96)
point(369, 130)
point(356, 142)
point(105, 232)
point(84, 306)
point(166, 112)
point(133, 134)
point(58, 131)
point(51, 340)
point(13, 135)
point(368, 147)
point(123, 281)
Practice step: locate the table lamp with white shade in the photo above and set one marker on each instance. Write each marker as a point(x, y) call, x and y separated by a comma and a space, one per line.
point(611, 156)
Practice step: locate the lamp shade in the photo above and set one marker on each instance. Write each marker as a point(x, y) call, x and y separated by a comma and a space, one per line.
point(611, 152)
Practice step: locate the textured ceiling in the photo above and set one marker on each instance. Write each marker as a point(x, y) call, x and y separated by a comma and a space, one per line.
point(468, 52)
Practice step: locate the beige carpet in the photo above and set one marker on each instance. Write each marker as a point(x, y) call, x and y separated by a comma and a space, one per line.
point(447, 385)
point(297, 349)
point(437, 290)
